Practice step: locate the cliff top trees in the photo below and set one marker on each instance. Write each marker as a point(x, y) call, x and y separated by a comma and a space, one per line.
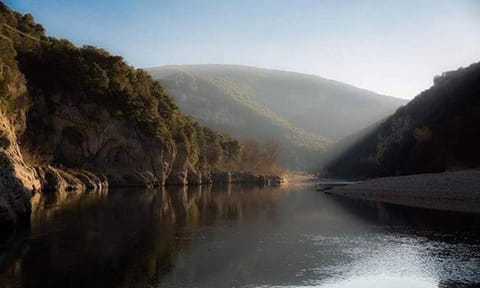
point(58, 72)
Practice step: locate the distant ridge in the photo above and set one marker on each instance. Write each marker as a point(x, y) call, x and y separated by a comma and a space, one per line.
point(187, 67)
point(306, 112)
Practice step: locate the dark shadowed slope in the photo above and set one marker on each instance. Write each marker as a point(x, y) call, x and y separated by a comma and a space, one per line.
point(439, 130)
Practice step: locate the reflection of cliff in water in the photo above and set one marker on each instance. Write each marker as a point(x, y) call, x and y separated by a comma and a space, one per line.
point(48, 205)
point(123, 238)
point(209, 204)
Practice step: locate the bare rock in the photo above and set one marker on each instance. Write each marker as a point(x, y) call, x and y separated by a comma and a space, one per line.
point(87, 136)
point(17, 178)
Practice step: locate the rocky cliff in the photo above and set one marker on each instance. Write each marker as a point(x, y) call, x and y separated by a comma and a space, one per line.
point(87, 136)
point(17, 178)
point(79, 118)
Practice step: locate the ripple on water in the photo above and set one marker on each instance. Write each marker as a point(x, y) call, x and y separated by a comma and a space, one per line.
point(413, 261)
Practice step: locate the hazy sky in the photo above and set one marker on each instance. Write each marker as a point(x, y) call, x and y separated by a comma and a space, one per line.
point(391, 47)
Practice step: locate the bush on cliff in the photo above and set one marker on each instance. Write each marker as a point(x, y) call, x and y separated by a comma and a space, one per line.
point(58, 72)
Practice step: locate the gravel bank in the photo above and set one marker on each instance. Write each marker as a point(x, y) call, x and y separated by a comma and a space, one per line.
point(455, 191)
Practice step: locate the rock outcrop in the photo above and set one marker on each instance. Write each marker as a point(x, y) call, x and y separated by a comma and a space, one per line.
point(88, 136)
point(20, 180)
point(17, 179)
point(55, 179)
point(84, 119)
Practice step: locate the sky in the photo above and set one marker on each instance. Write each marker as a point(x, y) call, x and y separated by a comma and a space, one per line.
point(390, 47)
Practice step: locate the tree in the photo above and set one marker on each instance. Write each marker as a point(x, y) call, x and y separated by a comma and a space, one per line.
point(250, 158)
point(272, 149)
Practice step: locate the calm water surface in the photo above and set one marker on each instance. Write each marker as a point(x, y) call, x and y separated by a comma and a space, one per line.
point(238, 237)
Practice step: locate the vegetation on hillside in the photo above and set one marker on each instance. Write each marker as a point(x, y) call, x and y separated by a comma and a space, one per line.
point(305, 113)
point(225, 107)
point(56, 71)
point(437, 131)
point(262, 157)
point(307, 102)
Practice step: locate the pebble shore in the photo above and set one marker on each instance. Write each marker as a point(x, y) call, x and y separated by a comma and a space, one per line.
point(454, 191)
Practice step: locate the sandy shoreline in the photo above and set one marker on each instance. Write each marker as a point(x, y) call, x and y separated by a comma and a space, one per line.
point(453, 191)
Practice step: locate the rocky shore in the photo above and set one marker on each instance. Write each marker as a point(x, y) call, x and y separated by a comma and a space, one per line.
point(76, 119)
point(21, 180)
point(453, 191)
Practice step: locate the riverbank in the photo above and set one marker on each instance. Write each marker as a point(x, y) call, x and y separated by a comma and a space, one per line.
point(297, 178)
point(453, 191)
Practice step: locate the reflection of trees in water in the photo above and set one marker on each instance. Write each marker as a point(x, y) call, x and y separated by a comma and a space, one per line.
point(208, 204)
point(126, 238)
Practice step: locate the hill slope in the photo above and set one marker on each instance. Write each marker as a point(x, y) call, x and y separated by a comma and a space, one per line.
point(439, 130)
point(324, 107)
point(71, 115)
point(305, 112)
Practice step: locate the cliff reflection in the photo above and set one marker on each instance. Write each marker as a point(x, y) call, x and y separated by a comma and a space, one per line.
point(209, 204)
point(123, 238)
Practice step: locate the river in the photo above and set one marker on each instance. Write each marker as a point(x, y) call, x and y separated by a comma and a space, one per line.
point(237, 236)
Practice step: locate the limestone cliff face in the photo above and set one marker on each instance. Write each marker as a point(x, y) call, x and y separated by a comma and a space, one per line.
point(84, 119)
point(17, 178)
point(86, 136)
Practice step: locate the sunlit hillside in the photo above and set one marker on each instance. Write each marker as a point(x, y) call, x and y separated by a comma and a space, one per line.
point(305, 112)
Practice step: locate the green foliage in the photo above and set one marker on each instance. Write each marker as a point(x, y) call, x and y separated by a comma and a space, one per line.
point(304, 112)
point(6, 64)
point(58, 72)
point(11, 81)
point(214, 152)
point(231, 101)
point(231, 148)
point(89, 74)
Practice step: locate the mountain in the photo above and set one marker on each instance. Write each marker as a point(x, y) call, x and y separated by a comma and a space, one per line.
point(78, 118)
point(305, 112)
point(438, 130)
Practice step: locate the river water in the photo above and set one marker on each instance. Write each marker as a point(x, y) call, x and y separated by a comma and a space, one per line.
point(238, 237)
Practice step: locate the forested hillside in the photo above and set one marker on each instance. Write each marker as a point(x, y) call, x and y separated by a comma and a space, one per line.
point(89, 109)
point(306, 113)
point(320, 106)
point(439, 130)
point(75, 118)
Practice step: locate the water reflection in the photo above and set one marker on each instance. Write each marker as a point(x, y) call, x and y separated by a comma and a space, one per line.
point(237, 236)
point(420, 219)
point(126, 238)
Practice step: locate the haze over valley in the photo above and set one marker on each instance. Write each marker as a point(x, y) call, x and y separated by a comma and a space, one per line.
point(306, 113)
point(262, 144)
